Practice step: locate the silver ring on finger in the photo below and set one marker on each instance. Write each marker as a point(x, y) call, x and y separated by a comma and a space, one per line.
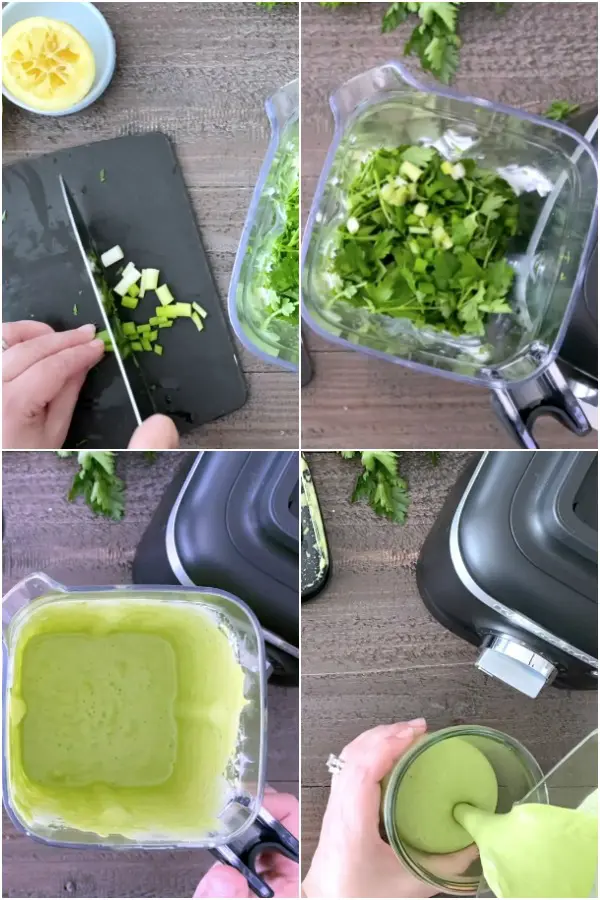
point(4, 345)
point(334, 764)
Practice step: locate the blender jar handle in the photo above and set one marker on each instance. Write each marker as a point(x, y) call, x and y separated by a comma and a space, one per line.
point(547, 395)
point(372, 83)
point(25, 592)
point(266, 834)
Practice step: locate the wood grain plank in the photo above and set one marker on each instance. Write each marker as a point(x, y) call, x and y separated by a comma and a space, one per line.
point(200, 73)
point(43, 532)
point(533, 54)
point(371, 653)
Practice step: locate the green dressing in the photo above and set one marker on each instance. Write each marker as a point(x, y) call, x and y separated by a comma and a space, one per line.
point(447, 800)
point(123, 717)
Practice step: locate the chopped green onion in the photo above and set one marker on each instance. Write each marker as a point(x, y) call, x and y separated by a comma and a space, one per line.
point(136, 345)
point(149, 280)
point(102, 175)
point(197, 321)
point(129, 328)
point(166, 323)
point(129, 302)
point(200, 310)
point(158, 350)
point(112, 256)
point(182, 309)
point(164, 295)
point(146, 345)
point(133, 290)
point(142, 329)
point(162, 312)
point(75, 310)
point(155, 320)
point(152, 336)
point(410, 170)
point(130, 276)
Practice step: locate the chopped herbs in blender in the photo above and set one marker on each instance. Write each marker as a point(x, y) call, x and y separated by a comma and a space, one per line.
point(277, 278)
point(426, 239)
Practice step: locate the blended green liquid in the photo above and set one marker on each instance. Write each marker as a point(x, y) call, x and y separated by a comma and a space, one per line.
point(447, 800)
point(123, 717)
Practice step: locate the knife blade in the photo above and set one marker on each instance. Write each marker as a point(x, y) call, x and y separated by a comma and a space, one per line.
point(97, 278)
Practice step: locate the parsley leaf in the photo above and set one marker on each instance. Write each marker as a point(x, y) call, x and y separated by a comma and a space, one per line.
point(395, 14)
point(445, 12)
point(96, 481)
point(559, 110)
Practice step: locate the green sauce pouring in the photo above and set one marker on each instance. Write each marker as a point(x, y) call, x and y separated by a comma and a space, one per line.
point(535, 850)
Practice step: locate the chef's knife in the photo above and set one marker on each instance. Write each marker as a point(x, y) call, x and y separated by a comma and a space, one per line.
point(99, 284)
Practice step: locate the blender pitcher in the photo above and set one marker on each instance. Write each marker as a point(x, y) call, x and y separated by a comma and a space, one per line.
point(552, 168)
point(243, 827)
point(275, 342)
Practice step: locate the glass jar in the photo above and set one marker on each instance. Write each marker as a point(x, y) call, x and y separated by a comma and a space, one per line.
point(517, 773)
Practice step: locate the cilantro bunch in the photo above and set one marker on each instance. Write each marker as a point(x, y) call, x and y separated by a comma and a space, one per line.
point(425, 239)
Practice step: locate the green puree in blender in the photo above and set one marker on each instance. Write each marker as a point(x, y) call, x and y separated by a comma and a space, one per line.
point(122, 718)
point(447, 800)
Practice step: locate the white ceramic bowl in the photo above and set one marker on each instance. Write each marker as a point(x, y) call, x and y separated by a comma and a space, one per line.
point(90, 23)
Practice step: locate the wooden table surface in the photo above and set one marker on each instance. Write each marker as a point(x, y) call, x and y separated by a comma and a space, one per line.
point(372, 654)
point(533, 54)
point(200, 73)
point(42, 532)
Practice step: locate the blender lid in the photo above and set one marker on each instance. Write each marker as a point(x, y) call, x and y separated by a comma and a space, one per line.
point(235, 524)
point(524, 537)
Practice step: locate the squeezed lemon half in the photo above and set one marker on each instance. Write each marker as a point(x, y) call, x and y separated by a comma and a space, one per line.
point(47, 64)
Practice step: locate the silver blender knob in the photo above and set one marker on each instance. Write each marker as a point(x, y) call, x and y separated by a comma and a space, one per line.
point(516, 664)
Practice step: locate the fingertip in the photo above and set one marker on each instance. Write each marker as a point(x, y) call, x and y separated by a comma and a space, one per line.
point(419, 724)
point(88, 330)
point(157, 433)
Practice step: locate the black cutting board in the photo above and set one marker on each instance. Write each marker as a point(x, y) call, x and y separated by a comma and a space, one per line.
point(132, 193)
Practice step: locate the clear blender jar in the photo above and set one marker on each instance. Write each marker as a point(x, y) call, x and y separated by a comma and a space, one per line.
point(243, 825)
point(518, 774)
point(554, 170)
point(275, 341)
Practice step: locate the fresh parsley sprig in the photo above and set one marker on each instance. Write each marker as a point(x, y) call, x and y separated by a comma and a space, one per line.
point(97, 482)
point(435, 40)
point(559, 110)
point(380, 484)
point(425, 239)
